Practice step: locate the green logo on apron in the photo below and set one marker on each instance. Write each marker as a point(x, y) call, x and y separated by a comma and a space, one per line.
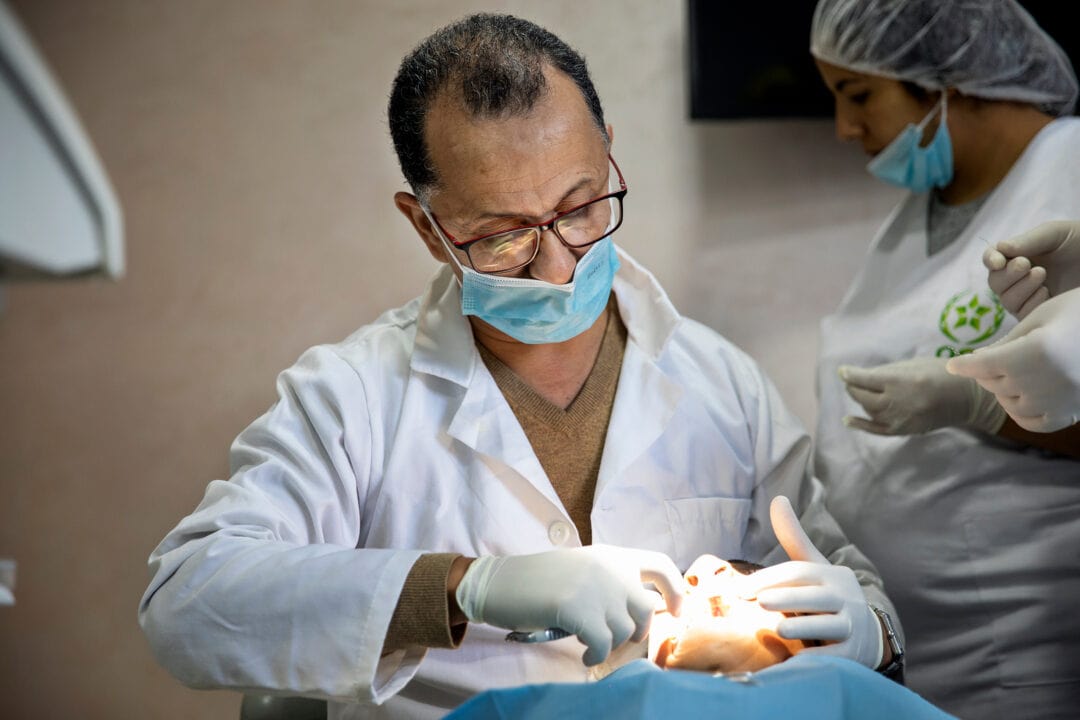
point(969, 318)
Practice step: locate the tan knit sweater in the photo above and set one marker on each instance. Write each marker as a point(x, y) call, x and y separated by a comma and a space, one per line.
point(569, 444)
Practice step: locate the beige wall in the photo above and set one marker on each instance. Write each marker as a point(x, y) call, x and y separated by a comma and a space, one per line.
point(248, 145)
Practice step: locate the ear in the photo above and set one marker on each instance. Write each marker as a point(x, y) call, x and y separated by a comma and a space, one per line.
point(410, 208)
point(610, 136)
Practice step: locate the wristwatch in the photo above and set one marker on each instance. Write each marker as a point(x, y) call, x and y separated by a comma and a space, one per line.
point(895, 669)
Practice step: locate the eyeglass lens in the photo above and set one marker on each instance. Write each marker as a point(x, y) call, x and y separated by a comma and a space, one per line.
point(585, 226)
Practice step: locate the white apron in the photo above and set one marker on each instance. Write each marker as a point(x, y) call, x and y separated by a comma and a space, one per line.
point(978, 540)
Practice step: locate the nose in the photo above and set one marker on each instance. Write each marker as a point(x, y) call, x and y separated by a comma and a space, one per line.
point(847, 128)
point(554, 262)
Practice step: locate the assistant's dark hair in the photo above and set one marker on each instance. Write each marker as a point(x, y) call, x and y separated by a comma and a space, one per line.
point(494, 66)
point(915, 90)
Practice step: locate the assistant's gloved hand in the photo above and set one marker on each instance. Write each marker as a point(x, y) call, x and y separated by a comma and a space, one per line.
point(594, 592)
point(916, 396)
point(1027, 269)
point(836, 610)
point(1034, 371)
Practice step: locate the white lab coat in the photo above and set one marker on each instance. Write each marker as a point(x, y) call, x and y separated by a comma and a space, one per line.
point(978, 539)
point(397, 441)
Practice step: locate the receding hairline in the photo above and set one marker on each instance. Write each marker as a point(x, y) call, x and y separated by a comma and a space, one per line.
point(451, 97)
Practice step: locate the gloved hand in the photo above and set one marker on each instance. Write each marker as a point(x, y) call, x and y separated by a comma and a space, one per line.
point(1034, 370)
point(1027, 269)
point(594, 592)
point(836, 610)
point(916, 396)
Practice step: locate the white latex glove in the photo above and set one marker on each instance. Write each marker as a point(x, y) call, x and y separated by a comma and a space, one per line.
point(1034, 371)
point(594, 592)
point(836, 610)
point(1027, 269)
point(916, 396)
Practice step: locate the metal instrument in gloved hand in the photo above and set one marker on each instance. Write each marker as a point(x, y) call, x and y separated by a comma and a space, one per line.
point(594, 592)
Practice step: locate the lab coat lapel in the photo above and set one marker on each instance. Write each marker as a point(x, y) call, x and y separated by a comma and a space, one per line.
point(638, 418)
point(483, 421)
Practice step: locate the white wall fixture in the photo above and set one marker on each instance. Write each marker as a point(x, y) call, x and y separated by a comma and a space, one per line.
point(7, 582)
point(59, 216)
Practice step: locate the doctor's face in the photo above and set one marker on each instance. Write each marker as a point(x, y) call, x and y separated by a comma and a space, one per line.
point(872, 109)
point(499, 174)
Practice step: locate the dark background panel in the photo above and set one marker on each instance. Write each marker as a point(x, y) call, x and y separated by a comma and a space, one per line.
point(753, 60)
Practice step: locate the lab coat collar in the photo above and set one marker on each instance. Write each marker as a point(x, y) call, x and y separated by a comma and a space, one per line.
point(648, 314)
point(444, 340)
point(444, 348)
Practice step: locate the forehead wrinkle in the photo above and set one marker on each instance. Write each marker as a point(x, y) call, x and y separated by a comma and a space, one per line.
point(503, 180)
point(539, 206)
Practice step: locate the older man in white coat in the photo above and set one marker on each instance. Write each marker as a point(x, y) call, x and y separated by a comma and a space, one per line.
point(529, 444)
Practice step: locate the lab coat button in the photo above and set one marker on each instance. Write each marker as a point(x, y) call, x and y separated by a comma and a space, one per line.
point(559, 532)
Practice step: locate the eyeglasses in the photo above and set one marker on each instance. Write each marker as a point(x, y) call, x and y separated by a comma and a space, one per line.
point(578, 227)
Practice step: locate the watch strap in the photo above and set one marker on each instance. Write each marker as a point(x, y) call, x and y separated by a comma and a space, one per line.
point(895, 669)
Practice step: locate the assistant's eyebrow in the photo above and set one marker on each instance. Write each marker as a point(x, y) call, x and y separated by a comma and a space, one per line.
point(843, 83)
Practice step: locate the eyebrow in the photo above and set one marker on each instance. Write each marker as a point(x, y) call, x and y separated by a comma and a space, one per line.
point(480, 219)
point(844, 82)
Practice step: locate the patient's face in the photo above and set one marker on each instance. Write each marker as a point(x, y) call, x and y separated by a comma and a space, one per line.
point(718, 631)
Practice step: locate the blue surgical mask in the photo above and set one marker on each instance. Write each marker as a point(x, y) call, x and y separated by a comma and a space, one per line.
point(918, 169)
point(537, 312)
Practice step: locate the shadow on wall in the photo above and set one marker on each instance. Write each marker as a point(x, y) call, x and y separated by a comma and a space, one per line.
point(788, 213)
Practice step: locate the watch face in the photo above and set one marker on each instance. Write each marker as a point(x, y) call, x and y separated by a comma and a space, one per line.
point(890, 631)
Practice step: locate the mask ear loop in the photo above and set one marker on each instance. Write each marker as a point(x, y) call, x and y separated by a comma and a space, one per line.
point(942, 107)
point(445, 242)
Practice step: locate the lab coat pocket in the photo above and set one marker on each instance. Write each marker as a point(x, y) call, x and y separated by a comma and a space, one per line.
point(1026, 565)
point(714, 525)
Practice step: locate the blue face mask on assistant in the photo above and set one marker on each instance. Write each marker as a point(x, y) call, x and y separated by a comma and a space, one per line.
point(537, 312)
point(918, 169)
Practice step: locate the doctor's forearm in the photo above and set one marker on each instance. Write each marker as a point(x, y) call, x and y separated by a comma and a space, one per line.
point(425, 614)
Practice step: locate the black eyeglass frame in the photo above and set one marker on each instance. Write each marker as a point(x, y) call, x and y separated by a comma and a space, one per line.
point(541, 226)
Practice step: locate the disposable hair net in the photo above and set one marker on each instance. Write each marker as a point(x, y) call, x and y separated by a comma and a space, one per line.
point(990, 49)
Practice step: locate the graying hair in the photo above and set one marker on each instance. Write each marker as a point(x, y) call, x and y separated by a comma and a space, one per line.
point(495, 66)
